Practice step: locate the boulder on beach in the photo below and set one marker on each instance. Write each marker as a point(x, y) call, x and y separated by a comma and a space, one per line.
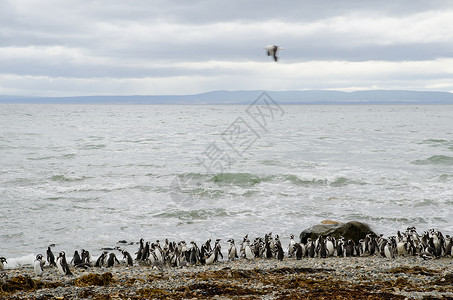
point(353, 230)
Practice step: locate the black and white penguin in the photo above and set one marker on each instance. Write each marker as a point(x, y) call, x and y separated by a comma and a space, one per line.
point(140, 250)
point(76, 259)
point(323, 252)
point(248, 250)
point(402, 248)
point(208, 245)
point(268, 253)
point(330, 245)
point(112, 260)
point(2, 261)
point(101, 259)
point(365, 245)
point(185, 251)
point(339, 249)
point(86, 257)
point(194, 254)
point(272, 51)
point(280, 253)
point(310, 248)
point(258, 247)
point(50, 258)
point(427, 252)
point(128, 258)
point(300, 251)
point(38, 265)
point(217, 244)
point(62, 264)
point(268, 240)
point(158, 251)
point(145, 253)
point(242, 248)
point(232, 251)
point(291, 246)
point(348, 249)
point(389, 250)
point(175, 257)
point(214, 255)
point(448, 245)
point(373, 246)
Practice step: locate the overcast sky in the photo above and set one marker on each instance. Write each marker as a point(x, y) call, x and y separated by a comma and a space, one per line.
point(118, 47)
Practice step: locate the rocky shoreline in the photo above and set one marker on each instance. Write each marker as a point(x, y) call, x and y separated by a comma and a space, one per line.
point(327, 278)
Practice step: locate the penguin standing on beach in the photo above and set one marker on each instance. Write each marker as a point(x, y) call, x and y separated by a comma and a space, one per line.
point(330, 245)
point(38, 264)
point(140, 251)
point(349, 249)
point(194, 256)
point(101, 259)
point(112, 260)
point(280, 253)
point(448, 245)
point(158, 251)
point(268, 253)
point(310, 248)
point(291, 246)
point(214, 256)
point(248, 250)
point(339, 249)
point(232, 251)
point(50, 258)
point(145, 253)
point(86, 257)
point(76, 259)
point(242, 249)
point(62, 264)
point(2, 261)
point(128, 258)
point(386, 249)
point(300, 250)
point(321, 248)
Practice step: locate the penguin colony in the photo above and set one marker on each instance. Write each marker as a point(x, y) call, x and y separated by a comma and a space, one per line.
point(429, 245)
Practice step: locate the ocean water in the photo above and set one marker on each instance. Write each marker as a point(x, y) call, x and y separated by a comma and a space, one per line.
point(87, 176)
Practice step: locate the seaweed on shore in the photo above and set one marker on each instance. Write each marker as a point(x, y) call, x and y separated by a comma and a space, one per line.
point(417, 270)
point(94, 279)
point(209, 289)
point(26, 283)
point(445, 280)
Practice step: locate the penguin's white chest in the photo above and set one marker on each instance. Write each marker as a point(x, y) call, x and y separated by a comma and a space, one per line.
point(60, 267)
point(210, 259)
point(37, 267)
point(330, 248)
point(248, 252)
point(232, 252)
point(387, 252)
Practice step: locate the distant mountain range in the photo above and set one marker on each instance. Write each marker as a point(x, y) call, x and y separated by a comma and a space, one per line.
point(247, 97)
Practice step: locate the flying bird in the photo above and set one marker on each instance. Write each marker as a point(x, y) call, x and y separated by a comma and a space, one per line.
point(272, 50)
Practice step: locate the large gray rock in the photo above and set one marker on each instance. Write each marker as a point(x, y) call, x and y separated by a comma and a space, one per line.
point(352, 230)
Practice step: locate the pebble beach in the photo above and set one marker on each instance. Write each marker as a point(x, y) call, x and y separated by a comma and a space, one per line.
point(310, 278)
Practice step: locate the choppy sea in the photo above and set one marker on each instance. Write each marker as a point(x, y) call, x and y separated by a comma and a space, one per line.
point(87, 176)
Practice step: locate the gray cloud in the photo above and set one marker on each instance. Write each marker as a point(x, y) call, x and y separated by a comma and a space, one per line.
point(217, 44)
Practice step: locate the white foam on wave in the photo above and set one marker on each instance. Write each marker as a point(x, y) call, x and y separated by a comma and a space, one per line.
point(18, 262)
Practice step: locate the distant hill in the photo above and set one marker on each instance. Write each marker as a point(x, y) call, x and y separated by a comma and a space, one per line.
point(247, 97)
